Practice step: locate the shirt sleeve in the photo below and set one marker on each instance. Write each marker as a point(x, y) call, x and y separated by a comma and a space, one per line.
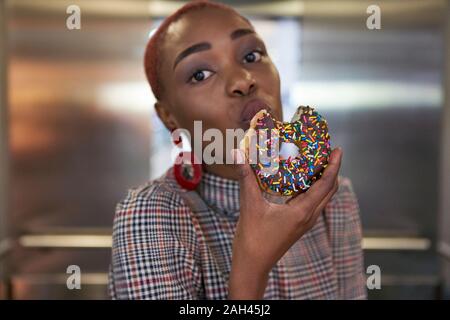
point(345, 234)
point(154, 248)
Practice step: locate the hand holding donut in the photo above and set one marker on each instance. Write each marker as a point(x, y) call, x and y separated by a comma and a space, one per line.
point(265, 230)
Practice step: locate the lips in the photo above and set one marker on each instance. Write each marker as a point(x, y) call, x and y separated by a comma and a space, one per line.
point(251, 108)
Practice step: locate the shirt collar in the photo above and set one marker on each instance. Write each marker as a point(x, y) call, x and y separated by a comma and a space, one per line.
point(220, 193)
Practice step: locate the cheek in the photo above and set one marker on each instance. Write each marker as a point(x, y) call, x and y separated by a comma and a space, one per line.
point(274, 79)
point(205, 107)
point(269, 80)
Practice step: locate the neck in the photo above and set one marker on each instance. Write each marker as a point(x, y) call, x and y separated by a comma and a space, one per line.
point(226, 171)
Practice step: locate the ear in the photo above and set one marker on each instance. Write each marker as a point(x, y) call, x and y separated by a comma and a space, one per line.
point(163, 112)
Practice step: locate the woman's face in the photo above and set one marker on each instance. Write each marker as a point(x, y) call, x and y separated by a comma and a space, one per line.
point(215, 68)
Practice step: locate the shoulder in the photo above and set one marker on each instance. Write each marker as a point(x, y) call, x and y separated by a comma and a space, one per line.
point(154, 244)
point(153, 206)
point(345, 238)
point(345, 196)
point(159, 193)
point(343, 208)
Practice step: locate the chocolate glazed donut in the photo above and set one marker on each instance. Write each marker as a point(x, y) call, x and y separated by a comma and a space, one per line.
point(287, 176)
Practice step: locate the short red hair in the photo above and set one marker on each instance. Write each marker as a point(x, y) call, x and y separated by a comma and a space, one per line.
point(152, 51)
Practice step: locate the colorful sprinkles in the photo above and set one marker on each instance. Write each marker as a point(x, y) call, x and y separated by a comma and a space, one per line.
point(309, 132)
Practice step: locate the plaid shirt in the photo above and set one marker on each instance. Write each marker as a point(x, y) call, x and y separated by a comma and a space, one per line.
point(164, 249)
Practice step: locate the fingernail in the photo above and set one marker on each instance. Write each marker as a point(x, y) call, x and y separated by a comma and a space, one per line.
point(341, 154)
point(336, 157)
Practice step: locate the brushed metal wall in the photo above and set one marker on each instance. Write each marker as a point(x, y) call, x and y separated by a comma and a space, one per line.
point(79, 118)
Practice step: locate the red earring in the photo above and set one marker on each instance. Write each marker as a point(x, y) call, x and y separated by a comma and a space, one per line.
point(187, 169)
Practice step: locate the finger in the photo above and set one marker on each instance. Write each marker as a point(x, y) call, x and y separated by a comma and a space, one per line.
point(312, 211)
point(320, 189)
point(249, 188)
point(312, 215)
point(327, 199)
point(323, 204)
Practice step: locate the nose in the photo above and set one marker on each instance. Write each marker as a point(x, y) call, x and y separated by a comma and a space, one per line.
point(240, 82)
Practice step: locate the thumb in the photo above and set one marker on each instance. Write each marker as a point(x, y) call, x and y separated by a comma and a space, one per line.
point(249, 187)
point(242, 166)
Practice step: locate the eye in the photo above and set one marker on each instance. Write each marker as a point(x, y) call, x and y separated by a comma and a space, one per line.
point(253, 56)
point(200, 75)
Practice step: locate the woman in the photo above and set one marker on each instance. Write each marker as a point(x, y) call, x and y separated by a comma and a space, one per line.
point(225, 240)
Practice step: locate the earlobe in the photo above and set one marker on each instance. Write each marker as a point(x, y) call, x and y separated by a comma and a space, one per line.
point(165, 115)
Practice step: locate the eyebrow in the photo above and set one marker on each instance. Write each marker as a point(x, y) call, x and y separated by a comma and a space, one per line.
point(202, 46)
